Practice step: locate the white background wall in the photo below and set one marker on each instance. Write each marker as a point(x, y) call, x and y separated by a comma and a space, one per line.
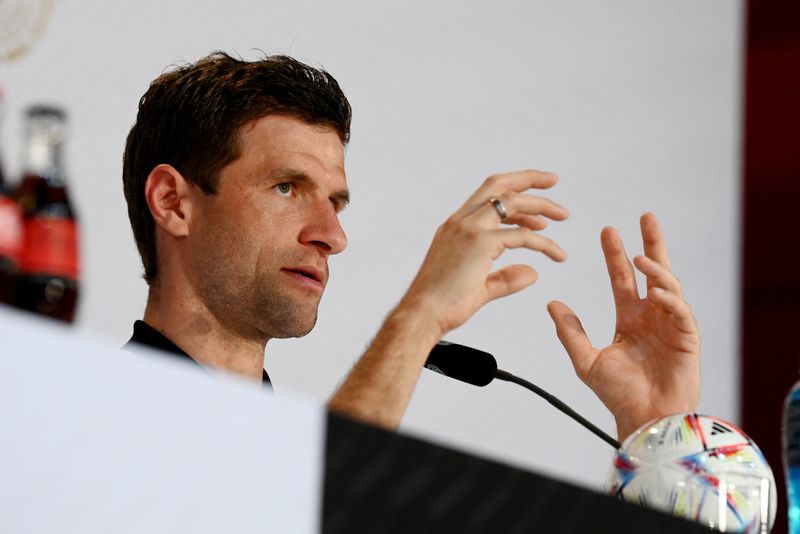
point(635, 103)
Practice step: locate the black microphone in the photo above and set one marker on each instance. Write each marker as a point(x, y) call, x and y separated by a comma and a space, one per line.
point(479, 368)
point(463, 363)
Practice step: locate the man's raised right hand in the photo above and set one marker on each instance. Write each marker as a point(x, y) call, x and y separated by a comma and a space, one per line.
point(455, 280)
point(456, 277)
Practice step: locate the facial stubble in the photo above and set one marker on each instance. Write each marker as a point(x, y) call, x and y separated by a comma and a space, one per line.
point(248, 293)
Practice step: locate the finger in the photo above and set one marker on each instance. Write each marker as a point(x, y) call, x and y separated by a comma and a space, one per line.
point(531, 222)
point(513, 204)
point(620, 270)
point(657, 275)
point(524, 238)
point(572, 335)
point(653, 240)
point(509, 280)
point(497, 184)
point(676, 306)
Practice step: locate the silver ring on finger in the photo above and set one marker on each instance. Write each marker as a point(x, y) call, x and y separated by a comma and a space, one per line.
point(500, 208)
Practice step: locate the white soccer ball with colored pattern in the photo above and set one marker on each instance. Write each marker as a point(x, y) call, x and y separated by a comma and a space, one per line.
point(700, 468)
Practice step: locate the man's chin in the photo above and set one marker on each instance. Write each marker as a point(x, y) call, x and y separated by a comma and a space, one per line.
point(298, 328)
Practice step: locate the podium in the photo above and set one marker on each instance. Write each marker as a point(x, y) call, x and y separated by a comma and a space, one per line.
point(376, 481)
point(94, 439)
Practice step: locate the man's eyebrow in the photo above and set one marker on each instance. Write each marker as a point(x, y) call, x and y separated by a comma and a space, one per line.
point(339, 198)
point(284, 173)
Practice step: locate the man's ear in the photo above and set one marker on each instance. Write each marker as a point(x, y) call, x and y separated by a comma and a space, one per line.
point(169, 198)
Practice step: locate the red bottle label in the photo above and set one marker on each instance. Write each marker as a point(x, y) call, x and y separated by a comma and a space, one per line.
point(10, 229)
point(51, 247)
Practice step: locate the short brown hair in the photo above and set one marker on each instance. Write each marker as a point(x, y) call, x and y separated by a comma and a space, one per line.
point(190, 118)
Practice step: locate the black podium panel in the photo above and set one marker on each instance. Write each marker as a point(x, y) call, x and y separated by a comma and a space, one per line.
point(377, 481)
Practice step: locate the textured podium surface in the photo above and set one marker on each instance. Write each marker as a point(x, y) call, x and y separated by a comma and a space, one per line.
point(376, 481)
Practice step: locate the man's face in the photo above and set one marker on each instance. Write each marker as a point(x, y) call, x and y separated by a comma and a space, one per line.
point(259, 247)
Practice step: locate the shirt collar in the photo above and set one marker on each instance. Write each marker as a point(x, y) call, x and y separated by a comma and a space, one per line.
point(144, 334)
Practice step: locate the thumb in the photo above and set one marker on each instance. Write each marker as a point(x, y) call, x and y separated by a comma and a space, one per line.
point(572, 335)
point(509, 280)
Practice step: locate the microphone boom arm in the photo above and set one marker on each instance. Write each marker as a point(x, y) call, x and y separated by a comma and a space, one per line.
point(508, 377)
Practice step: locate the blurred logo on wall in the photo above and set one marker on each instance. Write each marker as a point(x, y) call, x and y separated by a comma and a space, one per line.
point(22, 23)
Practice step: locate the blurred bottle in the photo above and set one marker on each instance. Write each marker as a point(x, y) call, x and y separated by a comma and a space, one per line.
point(791, 456)
point(48, 279)
point(10, 231)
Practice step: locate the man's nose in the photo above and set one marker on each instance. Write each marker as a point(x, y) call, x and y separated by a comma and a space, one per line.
point(324, 231)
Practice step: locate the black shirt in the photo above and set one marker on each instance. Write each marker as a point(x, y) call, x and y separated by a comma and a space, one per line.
point(144, 334)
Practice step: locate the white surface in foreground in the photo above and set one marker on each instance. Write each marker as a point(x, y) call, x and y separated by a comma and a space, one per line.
point(94, 439)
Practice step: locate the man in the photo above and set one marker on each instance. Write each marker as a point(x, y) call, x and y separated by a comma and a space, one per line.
point(234, 177)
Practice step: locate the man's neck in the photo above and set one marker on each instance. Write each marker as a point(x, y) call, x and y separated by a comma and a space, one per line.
point(195, 330)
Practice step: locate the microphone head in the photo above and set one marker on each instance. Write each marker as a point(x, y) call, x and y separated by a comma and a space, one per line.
point(463, 363)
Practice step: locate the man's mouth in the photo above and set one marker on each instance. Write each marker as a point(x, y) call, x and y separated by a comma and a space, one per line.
point(308, 272)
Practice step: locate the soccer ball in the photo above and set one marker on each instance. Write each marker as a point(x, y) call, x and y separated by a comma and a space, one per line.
point(700, 468)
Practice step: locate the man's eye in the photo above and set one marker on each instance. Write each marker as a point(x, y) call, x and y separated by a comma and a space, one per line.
point(284, 189)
